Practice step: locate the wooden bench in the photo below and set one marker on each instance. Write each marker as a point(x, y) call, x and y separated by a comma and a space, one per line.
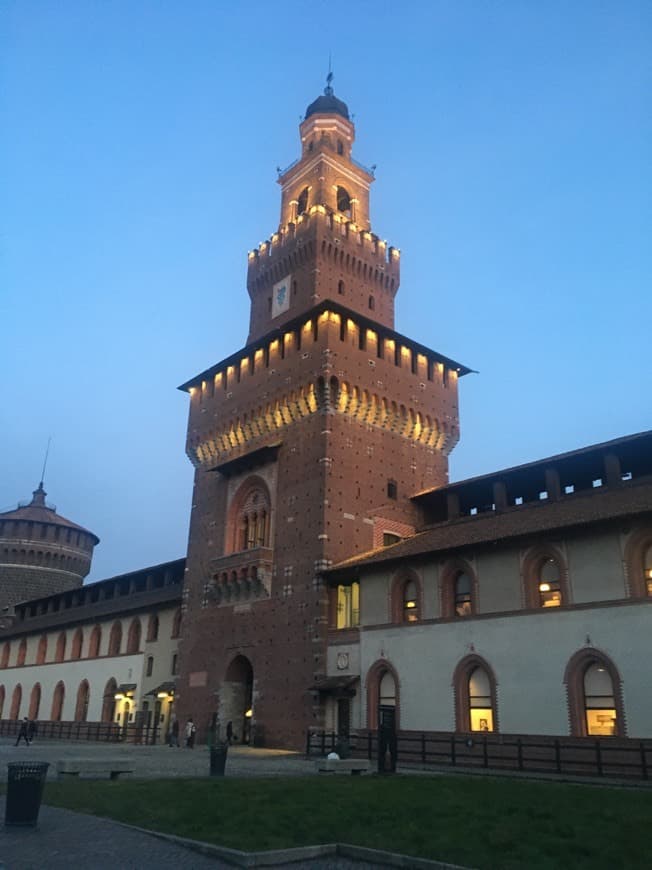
point(354, 766)
point(93, 767)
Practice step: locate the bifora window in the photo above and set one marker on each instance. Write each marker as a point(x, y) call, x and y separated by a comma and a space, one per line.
point(302, 202)
point(463, 595)
point(549, 584)
point(410, 602)
point(343, 201)
point(647, 570)
point(348, 606)
point(481, 714)
point(599, 702)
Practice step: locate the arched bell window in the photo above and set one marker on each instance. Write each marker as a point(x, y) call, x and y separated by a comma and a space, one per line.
point(599, 701)
point(462, 593)
point(481, 711)
point(549, 585)
point(343, 201)
point(302, 202)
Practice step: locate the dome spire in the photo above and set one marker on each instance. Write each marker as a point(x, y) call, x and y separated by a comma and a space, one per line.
point(328, 90)
point(38, 497)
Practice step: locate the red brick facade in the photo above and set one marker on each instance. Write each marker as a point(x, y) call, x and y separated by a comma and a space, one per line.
point(332, 420)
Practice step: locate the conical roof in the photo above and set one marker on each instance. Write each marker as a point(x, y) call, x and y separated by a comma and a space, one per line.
point(328, 103)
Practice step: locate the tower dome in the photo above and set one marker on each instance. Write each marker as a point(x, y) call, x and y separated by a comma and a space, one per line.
point(41, 552)
point(328, 103)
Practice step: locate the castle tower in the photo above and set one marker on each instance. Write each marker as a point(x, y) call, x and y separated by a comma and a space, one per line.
point(307, 443)
point(41, 552)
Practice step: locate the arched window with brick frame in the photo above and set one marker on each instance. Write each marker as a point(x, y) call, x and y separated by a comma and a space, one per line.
point(595, 697)
point(133, 637)
point(108, 700)
point(638, 562)
point(382, 691)
point(6, 652)
point(459, 589)
point(2, 701)
point(250, 516)
point(115, 638)
point(83, 698)
point(95, 642)
point(176, 624)
point(42, 651)
point(406, 599)
point(16, 699)
point(475, 691)
point(22, 652)
point(35, 701)
point(57, 702)
point(60, 652)
point(545, 578)
point(77, 643)
point(152, 627)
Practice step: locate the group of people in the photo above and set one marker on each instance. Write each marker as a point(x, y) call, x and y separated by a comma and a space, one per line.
point(190, 732)
point(27, 731)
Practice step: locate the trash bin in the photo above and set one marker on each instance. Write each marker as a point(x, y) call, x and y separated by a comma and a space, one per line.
point(218, 753)
point(25, 783)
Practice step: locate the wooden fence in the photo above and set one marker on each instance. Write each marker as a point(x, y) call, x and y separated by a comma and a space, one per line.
point(572, 756)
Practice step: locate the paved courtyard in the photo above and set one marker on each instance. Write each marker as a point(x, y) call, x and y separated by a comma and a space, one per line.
point(160, 762)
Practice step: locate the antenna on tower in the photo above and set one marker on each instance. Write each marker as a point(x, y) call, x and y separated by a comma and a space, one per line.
point(329, 78)
point(45, 461)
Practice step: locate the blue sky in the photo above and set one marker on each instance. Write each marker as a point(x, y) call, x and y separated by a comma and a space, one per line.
point(137, 168)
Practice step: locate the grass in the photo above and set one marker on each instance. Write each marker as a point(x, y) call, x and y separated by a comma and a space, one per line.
point(478, 822)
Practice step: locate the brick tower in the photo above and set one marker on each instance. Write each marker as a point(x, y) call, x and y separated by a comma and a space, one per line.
point(307, 444)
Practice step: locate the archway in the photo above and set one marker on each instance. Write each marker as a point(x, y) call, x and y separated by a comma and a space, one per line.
point(236, 699)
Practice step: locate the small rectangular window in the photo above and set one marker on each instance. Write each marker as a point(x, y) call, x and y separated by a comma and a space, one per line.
point(174, 664)
point(150, 665)
point(392, 489)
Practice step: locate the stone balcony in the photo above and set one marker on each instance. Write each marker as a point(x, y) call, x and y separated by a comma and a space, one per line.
point(242, 577)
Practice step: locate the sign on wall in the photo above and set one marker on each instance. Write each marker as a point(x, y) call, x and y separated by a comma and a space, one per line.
point(281, 296)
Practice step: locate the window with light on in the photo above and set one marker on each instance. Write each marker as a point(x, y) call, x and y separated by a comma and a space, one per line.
point(410, 602)
point(481, 712)
point(549, 584)
point(348, 606)
point(599, 702)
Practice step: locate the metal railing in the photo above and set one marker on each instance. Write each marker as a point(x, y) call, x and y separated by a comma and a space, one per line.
point(99, 732)
point(571, 756)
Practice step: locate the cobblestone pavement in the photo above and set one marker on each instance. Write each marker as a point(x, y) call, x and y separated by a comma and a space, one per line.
point(160, 762)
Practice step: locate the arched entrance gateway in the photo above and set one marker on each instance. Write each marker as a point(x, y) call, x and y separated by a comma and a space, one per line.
point(236, 699)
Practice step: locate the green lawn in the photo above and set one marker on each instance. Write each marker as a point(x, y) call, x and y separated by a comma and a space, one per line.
point(479, 822)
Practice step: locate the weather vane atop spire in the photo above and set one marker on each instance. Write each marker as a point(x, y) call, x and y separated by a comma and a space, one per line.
point(328, 90)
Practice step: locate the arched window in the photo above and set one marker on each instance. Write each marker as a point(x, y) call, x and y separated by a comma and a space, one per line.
point(2, 700)
point(57, 702)
point(549, 584)
point(16, 699)
point(474, 685)
point(638, 561)
point(60, 652)
point(462, 592)
point(302, 202)
point(382, 692)
point(343, 201)
point(250, 516)
point(544, 574)
point(176, 624)
point(594, 695)
point(340, 288)
point(22, 652)
point(372, 303)
point(340, 147)
point(83, 696)
point(77, 642)
point(6, 652)
point(42, 651)
point(35, 701)
point(115, 639)
point(94, 642)
point(152, 627)
point(406, 597)
point(133, 638)
point(410, 602)
point(150, 666)
point(108, 701)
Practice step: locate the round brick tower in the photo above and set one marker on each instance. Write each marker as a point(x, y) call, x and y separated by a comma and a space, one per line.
point(41, 552)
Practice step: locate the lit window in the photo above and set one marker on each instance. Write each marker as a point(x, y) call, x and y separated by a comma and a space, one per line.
point(348, 606)
point(481, 713)
point(599, 702)
point(463, 595)
point(549, 584)
point(647, 569)
point(410, 602)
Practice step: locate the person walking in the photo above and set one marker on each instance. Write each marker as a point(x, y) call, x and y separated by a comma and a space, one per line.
point(191, 731)
point(174, 733)
point(23, 732)
point(31, 731)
